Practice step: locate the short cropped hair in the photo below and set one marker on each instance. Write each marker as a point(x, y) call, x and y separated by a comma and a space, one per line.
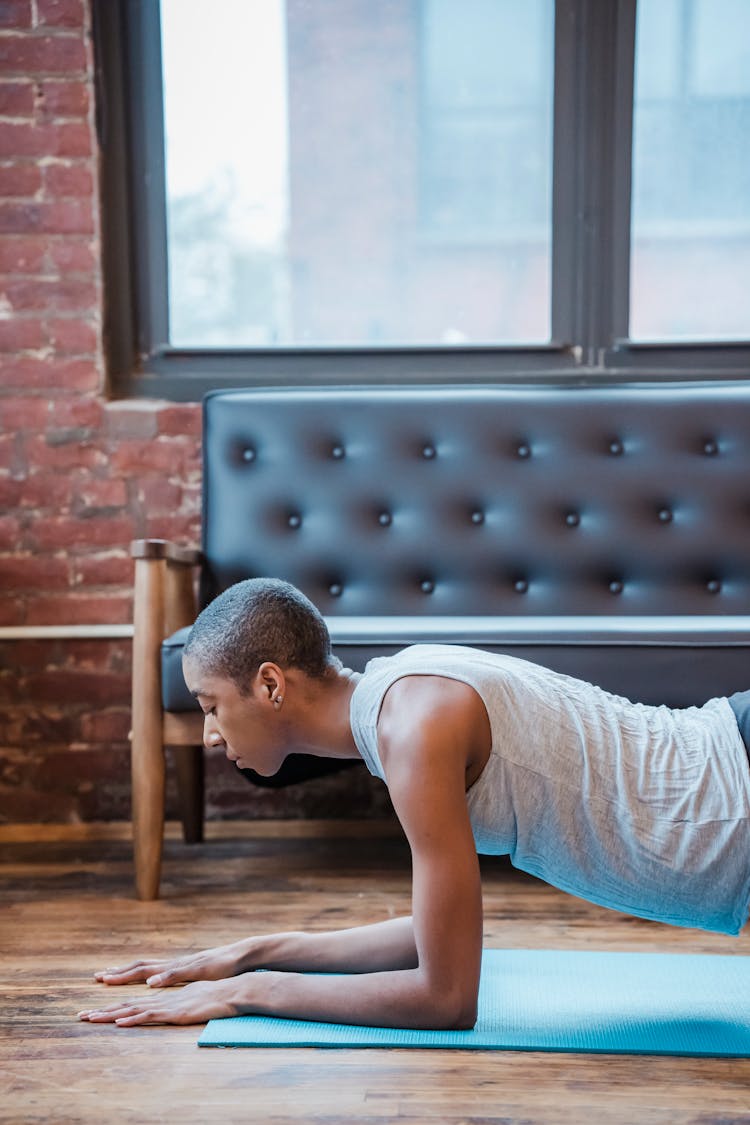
point(257, 620)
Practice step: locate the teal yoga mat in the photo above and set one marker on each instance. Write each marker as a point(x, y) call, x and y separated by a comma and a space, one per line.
point(552, 1000)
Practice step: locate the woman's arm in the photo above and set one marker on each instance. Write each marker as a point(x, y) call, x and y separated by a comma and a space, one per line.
point(424, 745)
point(361, 949)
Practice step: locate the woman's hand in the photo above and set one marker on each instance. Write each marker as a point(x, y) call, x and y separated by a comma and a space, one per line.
point(195, 1003)
point(210, 964)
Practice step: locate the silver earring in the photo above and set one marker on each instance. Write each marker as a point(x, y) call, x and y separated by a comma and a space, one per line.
point(278, 701)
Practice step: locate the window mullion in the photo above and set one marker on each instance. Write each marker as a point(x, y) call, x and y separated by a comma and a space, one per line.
point(595, 46)
point(148, 180)
point(566, 273)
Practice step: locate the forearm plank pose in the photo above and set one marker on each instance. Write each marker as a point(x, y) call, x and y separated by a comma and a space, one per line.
point(642, 809)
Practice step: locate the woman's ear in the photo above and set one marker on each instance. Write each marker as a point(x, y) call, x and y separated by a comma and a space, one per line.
point(271, 683)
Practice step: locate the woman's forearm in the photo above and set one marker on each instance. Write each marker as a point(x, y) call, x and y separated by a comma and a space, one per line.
point(401, 998)
point(361, 949)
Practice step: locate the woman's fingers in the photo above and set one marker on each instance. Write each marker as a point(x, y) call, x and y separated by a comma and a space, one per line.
point(147, 971)
point(193, 1004)
point(136, 970)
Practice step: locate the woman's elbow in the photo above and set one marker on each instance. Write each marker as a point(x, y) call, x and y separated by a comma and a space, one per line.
point(466, 1018)
point(454, 1011)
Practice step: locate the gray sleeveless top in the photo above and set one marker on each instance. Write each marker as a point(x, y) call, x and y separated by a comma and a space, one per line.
point(642, 809)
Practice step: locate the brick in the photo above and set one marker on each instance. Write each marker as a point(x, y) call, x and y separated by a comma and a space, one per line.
point(93, 497)
point(59, 216)
point(69, 435)
point(131, 419)
point(110, 725)
point(19, 254)
point(20, 179)
point(10, 533)
point(68, 179)
point(22, 334)
point(10, 492)
point(42, 724)
point(15, 14)
point(181, 419)
point(29, 572)
point(69, 294)
point(28, 138)
point(16, 98)
point(110, 568)
point(12, 611)
point(48, 491)
point(23, 413)
point(49, 54)
point(70, 375)
point(60, 13)
point(73, 255)
point(82, 411)
point(12, 459)
point(158, 496)
point(64, 784)
point(164, 455)
point(66, 455)
point(68, 533)
point(83, 609)
point(65, 99)
point(99, 655)
point(88, 688)
point(73, 337)
point(184, 529)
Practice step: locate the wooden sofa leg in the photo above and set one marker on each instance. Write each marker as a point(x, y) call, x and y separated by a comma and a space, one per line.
point(189, 767)
point(147, 751)
point(148, 780)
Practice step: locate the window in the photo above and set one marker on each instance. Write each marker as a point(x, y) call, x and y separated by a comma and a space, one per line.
point(424, 189)
point(358, 174)
point(690, 269)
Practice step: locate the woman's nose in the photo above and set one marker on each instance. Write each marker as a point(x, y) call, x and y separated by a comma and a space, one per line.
point(211, 736)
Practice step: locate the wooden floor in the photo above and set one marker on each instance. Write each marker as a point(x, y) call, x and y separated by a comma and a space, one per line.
point(67, 909)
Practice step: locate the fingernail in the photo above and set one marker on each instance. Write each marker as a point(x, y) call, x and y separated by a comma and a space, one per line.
point(153, 980)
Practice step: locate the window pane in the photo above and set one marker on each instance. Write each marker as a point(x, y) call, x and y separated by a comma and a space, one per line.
point(343, 172)
point(690, 250)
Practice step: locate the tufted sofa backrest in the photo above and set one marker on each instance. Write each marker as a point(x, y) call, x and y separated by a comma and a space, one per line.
point(628, 500)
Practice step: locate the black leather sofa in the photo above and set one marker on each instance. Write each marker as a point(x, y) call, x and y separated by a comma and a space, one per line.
point(601, 530)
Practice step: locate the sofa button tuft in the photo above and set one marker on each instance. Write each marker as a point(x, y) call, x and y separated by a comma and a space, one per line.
point(616, 586)
point(337, 452)
point(710, 447)
point(427, 586)
point(294, 520)
point(616, 448)
point(385, 519)
point(477, 516)
point(713, 586)
point(521, 586)
point(428, 452)
point(665, 515)
point(523, 450)
point(572, 519)
point(335, 589)
point(248, 454)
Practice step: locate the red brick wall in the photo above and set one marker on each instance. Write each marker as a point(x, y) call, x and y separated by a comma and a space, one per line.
point(80, 476)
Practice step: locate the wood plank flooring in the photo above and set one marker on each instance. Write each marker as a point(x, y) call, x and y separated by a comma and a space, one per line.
point(66, 909)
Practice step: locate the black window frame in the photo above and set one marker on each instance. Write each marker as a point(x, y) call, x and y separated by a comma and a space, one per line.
point(592, 153)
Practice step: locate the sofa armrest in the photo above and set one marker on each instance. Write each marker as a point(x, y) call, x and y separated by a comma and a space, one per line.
point(165, 597)
point(165, 549)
